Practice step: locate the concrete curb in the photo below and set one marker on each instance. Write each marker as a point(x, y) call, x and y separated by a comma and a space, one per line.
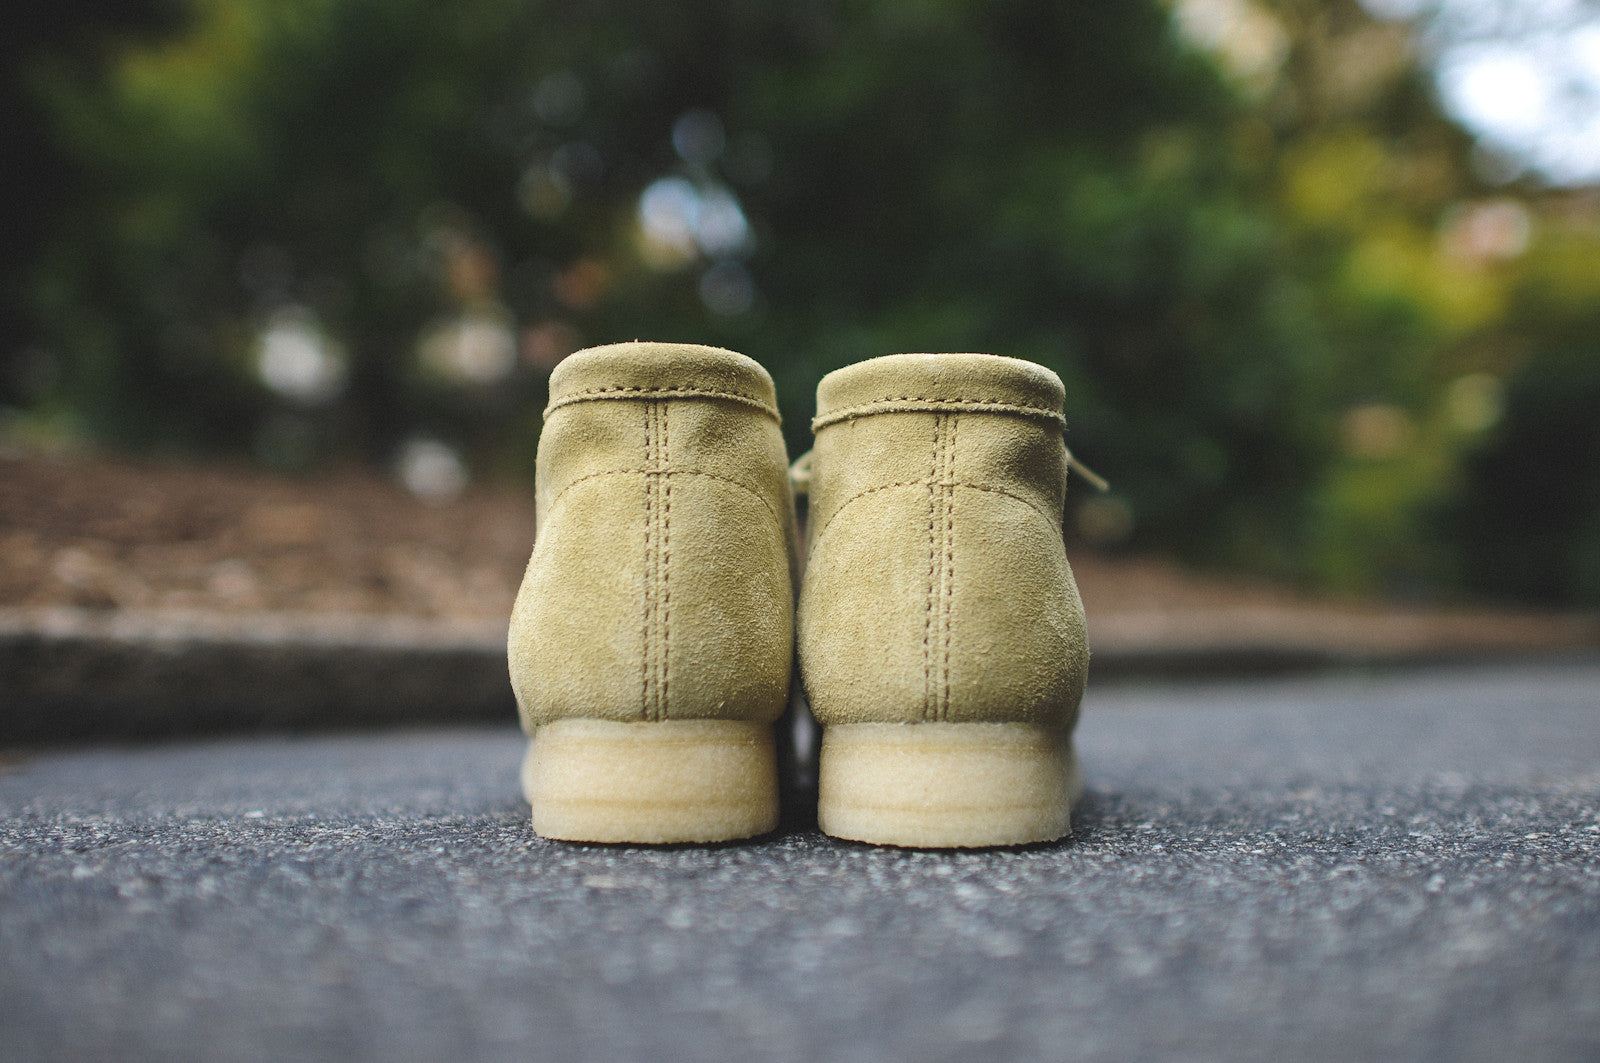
point(74, 674)
point(1237, 640)
point(70, 674)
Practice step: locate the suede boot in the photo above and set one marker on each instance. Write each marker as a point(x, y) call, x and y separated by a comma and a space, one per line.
point(941, 636)
point(651, 640)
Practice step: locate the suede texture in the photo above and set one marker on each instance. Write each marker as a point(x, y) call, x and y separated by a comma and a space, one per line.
point(937, 587)
point(661, 581)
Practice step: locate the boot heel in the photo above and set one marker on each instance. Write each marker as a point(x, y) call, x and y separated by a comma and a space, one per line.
point(655, 783)
point(947, 785)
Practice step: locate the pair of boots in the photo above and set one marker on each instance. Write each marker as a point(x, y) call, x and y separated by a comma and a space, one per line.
point(939, 631)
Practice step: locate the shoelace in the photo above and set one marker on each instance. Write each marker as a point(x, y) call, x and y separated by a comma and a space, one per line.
point(1094, 479)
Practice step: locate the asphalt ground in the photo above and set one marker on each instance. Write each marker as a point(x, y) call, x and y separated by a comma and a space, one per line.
point(1400, 865)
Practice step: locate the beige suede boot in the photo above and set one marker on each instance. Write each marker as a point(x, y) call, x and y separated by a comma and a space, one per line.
point(652, 638)
point(941, 635)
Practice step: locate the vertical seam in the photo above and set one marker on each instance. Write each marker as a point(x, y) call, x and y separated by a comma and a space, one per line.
point(949, 552)
point(647, 649)
point(666, 559)
point(929, 707)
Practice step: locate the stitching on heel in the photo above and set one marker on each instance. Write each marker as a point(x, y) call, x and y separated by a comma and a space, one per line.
point(818, 535)
point(646, 647)
point(666, 562)
point(949, 489)
point(929, 708)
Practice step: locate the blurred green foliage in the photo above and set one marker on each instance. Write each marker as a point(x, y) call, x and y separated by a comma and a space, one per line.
point(1286, 310)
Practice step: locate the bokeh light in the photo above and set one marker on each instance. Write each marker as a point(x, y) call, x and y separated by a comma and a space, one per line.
point(297, 360)
point(431, 469)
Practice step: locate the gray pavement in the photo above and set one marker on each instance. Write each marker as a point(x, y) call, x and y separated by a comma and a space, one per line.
point(1390, 866)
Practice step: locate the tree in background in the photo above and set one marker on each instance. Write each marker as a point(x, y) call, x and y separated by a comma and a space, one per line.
point(1467, 442)
point(1525, 521)
point(1244, 236)
point(44, 42)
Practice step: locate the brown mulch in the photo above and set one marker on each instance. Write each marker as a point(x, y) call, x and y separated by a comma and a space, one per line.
point(105, 533)
point(111, 535)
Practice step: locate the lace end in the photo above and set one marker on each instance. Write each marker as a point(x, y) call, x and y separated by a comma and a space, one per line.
point(1095, 480)
point(800, 475)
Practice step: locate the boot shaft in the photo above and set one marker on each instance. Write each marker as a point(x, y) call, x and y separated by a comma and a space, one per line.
point(659, 408)
point(937, 587)
point(972, 420)
point(660, 586)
